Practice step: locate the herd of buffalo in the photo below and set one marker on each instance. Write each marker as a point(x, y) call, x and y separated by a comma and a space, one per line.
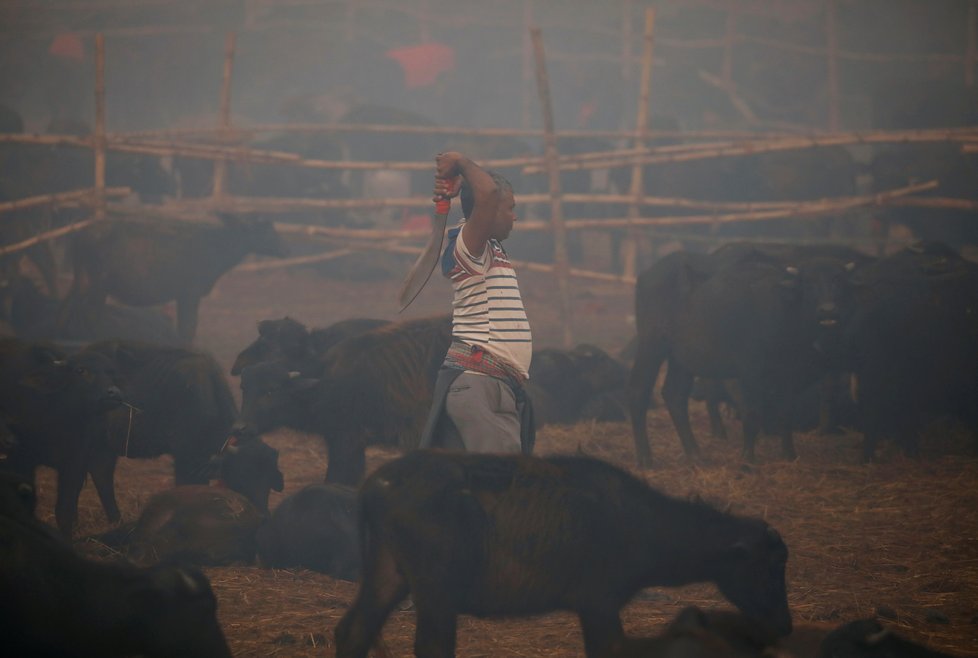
point(790, 337)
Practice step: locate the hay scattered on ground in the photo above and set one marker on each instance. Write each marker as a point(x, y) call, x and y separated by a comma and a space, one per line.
point(898, 539)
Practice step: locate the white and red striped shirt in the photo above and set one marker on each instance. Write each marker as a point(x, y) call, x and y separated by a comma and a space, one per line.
point(487, 310)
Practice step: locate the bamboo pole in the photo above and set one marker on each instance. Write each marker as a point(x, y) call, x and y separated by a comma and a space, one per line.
point(832, 47)
point(292, 262)
point(224, 121)
point(99, 137)
point(247, 205)
point(553, 177)
point(527, 63)
point(630, 247)
point(60, 199)
point(48, 235)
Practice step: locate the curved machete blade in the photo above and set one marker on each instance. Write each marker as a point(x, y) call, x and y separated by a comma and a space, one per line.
point(421, 271)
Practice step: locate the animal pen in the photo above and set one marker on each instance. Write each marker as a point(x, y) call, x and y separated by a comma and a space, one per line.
point(894, 539)
point(227, 143)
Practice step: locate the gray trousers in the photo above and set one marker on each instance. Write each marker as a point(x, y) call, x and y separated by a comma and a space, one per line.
point(483, 411)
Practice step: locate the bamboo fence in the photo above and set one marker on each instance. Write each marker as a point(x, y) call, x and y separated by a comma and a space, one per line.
point(226, 143)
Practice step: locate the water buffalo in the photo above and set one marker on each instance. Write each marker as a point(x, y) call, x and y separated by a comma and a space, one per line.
point(180, 405)
point(299, 348)
point(56, 603)
point(148, 263)
point(748, 316)
point(314, 528)
point(912, 344)
point(493, 536)
point(52, 405)
point(375, 389)
point(571, 385)
point(190, 524)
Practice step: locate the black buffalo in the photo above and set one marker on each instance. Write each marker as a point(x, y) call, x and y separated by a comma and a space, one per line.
point(375, 389)
point(492, 536)
point(747, 315)
point(180, 404)
point(191, 524)
point(148, 263)
point(579, 384)
point(52, 405)
point(912, 344)
point(298, 347)
point(315, 528)
point(56, 603)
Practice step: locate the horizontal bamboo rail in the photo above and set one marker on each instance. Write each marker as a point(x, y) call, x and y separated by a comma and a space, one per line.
point(61, 198)
point(48, 235)
point(258, 205)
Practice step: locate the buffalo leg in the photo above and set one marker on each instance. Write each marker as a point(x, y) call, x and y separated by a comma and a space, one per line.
point(436, 627)
point(101, 466)
point(347, 460)
point(675, 393)
point(601, 630)
point(381, 589)
point(71, 479)
point(645, 370)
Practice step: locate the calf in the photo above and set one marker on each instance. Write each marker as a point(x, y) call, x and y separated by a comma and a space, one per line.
point(492, 535)
point(52, 405)
point(571, 385)
point(192, 524)
point(180, 405)
point(375, 389)
point(144, 264)
point(56, 603)
point(315, 528)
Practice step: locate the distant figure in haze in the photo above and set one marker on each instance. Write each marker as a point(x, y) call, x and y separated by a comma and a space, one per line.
point(479, 402)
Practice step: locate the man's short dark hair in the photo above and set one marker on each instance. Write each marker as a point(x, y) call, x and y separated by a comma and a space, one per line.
point(468, 201)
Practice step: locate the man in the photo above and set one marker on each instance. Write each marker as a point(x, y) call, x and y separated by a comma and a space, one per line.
point(479, 403)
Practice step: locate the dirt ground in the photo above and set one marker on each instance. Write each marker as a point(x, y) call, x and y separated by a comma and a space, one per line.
point(898, 538)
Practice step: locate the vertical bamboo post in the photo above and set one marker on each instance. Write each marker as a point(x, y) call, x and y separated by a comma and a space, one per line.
point(99, 137)
point(728, 45)
point(220, 166)
point(971, 47)
point(630, 245)
point(833, 67)
point(561, 267)
point(527, 62)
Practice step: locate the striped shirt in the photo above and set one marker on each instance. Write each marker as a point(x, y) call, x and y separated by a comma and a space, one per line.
point(487, 309)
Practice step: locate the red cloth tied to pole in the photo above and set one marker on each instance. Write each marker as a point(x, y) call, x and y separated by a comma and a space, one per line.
point(422, 64)
point(68, 45)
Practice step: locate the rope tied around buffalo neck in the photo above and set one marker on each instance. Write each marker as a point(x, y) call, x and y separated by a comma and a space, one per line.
point(132, 410)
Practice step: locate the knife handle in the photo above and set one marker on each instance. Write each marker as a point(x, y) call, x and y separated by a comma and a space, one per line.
point(444, 204)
